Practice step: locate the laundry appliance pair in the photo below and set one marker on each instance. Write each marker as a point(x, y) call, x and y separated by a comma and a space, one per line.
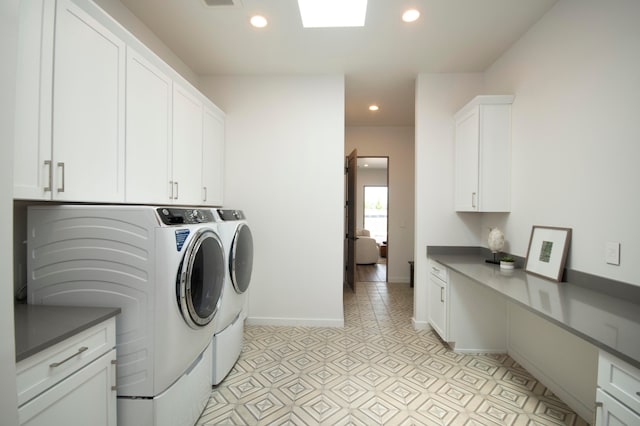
point(167, 269)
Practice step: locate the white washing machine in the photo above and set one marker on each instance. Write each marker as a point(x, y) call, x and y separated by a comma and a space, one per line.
point(165, 268)
point(238, 243)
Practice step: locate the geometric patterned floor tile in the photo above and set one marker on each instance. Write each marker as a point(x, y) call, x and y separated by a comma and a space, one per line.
point(376, 370)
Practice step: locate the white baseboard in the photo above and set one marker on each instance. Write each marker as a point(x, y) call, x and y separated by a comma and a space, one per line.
point(295, 322)
point(420, 325)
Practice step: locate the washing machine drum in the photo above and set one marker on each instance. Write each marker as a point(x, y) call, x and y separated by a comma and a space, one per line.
point(241, 258)
point(201, 279)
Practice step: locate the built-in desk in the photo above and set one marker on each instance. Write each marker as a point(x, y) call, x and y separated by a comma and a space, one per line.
point(540, 321)
point(609, 322)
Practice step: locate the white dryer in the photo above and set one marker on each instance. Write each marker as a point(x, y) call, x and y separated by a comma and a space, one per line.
point(238, 243)
point(165, 268)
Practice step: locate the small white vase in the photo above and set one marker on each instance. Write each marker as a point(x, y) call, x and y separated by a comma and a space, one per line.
point(506, 265)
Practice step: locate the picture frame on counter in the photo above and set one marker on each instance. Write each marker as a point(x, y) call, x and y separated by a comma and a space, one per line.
point(547, 252)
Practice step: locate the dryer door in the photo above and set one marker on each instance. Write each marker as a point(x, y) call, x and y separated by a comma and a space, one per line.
point(241, 258)
point(201, 279)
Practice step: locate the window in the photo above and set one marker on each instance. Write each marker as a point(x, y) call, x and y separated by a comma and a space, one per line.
point(375, 211)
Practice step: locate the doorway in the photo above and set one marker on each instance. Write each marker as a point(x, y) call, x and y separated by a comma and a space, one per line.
point(372, 216)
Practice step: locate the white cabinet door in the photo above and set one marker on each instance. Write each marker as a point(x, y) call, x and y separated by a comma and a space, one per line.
point(87, 397)
point(438, 307)
point(467, 150)
point(32, 171)
point(213, 157)
point(187, 146)
point(483, 155)
point(610, 412)
point(88, 109)
point(148, 132)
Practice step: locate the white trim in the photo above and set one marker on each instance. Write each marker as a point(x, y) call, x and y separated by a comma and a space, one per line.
point(295, 322)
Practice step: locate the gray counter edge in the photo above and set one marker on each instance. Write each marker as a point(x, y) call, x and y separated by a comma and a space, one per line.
point(21, 312)
point(618, 289)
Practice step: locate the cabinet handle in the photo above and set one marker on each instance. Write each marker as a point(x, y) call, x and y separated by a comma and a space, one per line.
point(204, 193)
point(59, 363)
point(473, 200)
point(115, 374)
point(442, 294)
point(47, 163)
point(176, 191)
point(61, 188)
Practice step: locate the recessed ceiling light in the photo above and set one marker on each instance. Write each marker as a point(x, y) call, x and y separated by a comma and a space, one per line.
point(410, 15)
point(374, 107)
point(258, 21)
point(366, 165)
point(332, 13)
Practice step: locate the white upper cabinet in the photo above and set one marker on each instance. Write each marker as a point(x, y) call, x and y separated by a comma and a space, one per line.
point(88, 109)
point(100, 118)
point(213, 157)
point(32, 171)
point(148, 132)
point(483, 155)
point(187, 146)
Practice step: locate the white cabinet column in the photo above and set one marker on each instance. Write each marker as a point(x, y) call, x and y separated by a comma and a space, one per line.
point(148, 131)
point(187, 147)
point(213, 157)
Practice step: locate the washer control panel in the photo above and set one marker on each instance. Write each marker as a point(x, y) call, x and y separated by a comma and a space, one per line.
point(181, 216)
point(226, 214)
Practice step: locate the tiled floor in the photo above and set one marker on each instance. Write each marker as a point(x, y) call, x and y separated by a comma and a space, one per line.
point(377, 370)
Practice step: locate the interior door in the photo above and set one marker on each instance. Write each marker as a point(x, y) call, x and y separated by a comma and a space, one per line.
point(351, 170)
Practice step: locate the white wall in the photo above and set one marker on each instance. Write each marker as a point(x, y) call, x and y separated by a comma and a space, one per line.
point(8, 53)
point(438, 97)
point(131, 22)
point(397, 143)
point(575, 136)
point(284, 167)
point(576, 132)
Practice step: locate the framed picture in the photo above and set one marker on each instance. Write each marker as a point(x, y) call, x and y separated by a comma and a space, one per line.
point(547, 252)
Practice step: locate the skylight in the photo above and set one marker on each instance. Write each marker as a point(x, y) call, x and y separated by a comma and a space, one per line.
point(332, 13)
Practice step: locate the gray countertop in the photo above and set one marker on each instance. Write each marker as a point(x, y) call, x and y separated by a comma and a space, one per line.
point(608, 321)
point(38, 327)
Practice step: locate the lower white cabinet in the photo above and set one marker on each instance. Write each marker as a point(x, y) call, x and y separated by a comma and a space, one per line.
point(72, 382)
point(618, 394)
point(438, 300)
point(466, 315)
point(84, 398)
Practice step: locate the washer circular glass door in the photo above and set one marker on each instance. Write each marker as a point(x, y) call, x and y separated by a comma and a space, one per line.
point(201, 279)
point(241, 258)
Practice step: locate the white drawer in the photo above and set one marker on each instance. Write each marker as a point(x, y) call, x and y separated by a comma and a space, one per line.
point(439, 271)
point(39, 372)
point(610, 412)
point(620, 380)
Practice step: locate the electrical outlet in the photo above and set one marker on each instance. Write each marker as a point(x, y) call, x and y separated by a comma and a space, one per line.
point(612, 253)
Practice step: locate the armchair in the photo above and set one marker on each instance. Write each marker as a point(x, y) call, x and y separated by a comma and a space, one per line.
point(366, 248)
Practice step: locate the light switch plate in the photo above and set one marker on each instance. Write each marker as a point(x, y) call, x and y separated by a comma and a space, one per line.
point(612, 253)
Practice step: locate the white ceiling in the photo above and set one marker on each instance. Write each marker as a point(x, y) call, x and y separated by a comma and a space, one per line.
point(373, 162)
point(380, 60)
